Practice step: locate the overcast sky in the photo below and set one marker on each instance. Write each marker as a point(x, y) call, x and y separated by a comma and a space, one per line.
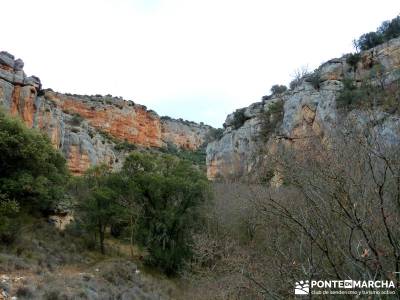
point(194, 59)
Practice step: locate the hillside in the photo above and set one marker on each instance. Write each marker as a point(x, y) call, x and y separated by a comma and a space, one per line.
point(309, 109)
point(91, 129)
point(45, 263)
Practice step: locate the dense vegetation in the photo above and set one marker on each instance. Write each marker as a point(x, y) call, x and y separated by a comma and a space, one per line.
point(151, 202)
point(196, 157)
point(169, 192)
point(371, 93)
point(334, 212)
point(239, 118)
point(277, 89)
point(388, 30)
point(33, 174)
point(214, 134)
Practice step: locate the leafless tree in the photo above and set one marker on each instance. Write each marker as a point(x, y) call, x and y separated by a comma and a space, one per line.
point(336, 216)
point(345, 219)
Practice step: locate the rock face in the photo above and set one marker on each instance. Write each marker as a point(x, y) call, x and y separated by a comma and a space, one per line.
point(88, 129)
point(308, 111)
point(183, 134)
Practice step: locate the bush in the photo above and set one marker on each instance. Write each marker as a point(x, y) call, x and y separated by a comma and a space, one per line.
point(52, 294)
point(349, 96)
point(24, 292)
point(33, 173)
point(76, 120)
point(294, 83)
point(239, 118)
point(278, 89)
point(214, 134)
point(368, 95)
point(196, 157)
point(270, 119)
point(8, 222)
point(315, 79)
point(353, 59)
point(125, 146)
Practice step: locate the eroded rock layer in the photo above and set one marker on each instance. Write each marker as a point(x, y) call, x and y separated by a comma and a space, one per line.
point(308, 111)
point(88, 129)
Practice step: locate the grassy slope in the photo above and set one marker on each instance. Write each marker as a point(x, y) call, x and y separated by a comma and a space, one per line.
point(44, 263)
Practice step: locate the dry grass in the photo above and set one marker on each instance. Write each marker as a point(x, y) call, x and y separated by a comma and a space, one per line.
point(47, 264)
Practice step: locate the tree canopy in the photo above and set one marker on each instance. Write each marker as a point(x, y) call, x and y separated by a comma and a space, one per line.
point(387, 31)
point(32, 172)
point(168, 192)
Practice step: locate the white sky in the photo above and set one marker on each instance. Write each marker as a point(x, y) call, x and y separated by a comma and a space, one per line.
point(195, 59)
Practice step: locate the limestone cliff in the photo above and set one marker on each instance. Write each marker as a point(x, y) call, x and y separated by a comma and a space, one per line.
point(309, 110)
point(89, 129)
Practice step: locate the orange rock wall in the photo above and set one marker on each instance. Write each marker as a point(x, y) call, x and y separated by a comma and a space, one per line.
point(86, 128)
point(128, 123)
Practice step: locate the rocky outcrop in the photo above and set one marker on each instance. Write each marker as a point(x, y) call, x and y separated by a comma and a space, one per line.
point(234, 154)
point(121, 119)
point(309, 110)
point(88, 129)
point(184, 134)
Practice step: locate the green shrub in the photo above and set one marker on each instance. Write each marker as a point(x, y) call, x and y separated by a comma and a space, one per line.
point(24, 292)
point(239, 118)
point(278, 89)
point(271, 119)
point(388, 30)
point(353, 59)
point(367, 95)
point(197, 157)
point(214, 134)
point(33, 173)
point(294, 83)
point(52, 294)
point(168, 190)
point(369, 40)
point(349, 95)
point(108, 137)
point(315, 79)
point(125, 146)
point(76, 120)
point(8, 219)
point(98, 205)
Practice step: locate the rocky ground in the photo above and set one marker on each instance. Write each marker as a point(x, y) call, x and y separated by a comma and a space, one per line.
point(45, 263)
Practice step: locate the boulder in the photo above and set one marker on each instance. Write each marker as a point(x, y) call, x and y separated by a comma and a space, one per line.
point(33, 81)
point(7, 59)
point(18, 65)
